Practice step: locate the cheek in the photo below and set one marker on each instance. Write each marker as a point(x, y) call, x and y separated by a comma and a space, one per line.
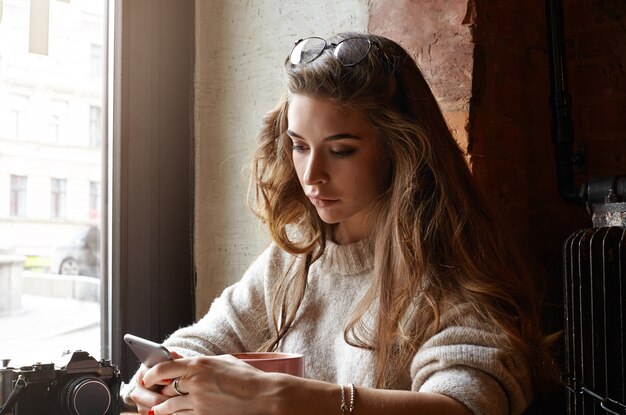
point(382, 163)
point(363, 184)
point(373, 176)
point(375, 183)
point(383, 178)
point(298, 166)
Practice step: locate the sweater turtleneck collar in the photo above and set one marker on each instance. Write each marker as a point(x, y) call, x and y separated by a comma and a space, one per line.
point(352, 259)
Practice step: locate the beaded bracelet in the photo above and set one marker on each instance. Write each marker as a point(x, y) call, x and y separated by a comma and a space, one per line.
point(345, 409)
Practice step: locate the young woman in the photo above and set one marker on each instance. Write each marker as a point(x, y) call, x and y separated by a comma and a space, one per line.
point(386, 271)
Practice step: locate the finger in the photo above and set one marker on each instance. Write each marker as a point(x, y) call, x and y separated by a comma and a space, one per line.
point(163, 382)
point(177, 405)
point(139, 374)
point(170, 391)
point(184, 411)
point(146, 399)
point(167, 370)
point(139, 379)
point(143, 410)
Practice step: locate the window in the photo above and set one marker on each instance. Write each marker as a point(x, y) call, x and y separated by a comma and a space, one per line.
point(50, 179)
point(58, 198)
point(18, 196)
point(16, 125)
point(58, 121)
point(95, 126)
point(94, 200)
point(151, 221)
point(95, 66)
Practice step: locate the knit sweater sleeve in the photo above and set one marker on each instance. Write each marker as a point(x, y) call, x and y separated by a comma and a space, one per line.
point(238, 320)
point(473, 366)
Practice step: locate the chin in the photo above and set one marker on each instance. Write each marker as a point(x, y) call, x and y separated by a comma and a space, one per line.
point(328, 219)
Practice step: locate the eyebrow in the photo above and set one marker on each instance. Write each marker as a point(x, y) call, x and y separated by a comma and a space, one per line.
point(333, 137)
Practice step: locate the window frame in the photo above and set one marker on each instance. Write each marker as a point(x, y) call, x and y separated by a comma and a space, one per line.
point(150, 238)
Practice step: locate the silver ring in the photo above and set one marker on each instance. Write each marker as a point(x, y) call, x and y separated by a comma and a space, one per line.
point(178, 391)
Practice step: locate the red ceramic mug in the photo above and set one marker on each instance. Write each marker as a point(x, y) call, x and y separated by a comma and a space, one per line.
point(289, 363)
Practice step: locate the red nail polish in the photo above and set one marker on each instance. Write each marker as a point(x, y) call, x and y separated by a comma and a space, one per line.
point(167, 380)
point(142, 383)
point(150, 412)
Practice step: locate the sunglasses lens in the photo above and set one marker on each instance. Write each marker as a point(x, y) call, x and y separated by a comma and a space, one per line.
point(307, 50)
point(352, 51)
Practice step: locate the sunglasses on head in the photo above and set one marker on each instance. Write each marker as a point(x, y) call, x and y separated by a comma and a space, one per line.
point(348, 52)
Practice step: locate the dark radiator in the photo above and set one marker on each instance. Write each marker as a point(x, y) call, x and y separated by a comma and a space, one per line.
point(595, 316)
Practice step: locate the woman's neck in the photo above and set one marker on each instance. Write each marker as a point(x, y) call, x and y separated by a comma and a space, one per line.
point(344, 235)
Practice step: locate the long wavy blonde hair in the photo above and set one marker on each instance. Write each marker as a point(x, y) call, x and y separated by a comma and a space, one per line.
point(435, 244)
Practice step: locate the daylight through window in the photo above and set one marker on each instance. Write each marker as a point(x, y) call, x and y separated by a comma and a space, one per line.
point(51, 139)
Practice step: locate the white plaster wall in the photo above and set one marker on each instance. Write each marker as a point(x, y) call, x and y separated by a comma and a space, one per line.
point(240, 49)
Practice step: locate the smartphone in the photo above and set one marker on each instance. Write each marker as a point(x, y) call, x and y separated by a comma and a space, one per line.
point(148, 352)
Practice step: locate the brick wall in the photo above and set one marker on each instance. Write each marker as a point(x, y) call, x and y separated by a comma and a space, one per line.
point(511, 150)
point(437, 34)
point(510, 146)
point(596, 39)
point(487, 63)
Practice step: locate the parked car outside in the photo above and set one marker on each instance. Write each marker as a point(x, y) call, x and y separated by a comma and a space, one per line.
point(78, 256)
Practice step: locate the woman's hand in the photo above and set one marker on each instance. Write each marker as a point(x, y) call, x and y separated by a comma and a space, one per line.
point(225, 385)
point(211, 385)
point(146, 397)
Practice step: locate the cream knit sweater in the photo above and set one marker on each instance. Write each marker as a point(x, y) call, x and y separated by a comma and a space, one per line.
point(467, 362)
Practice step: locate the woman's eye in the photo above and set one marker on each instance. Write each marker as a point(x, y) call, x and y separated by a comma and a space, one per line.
point(341, 153)
point(298, 147)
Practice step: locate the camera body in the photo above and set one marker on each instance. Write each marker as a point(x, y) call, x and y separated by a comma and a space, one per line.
point(77, 385)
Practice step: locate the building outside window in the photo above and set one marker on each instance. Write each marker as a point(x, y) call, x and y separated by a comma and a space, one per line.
point(18, 195)
point(94, 200)
point(49, 181)
point(96, 60)
point(95, 126)
point(58, 121)
point(16, 123)
point(58, 196)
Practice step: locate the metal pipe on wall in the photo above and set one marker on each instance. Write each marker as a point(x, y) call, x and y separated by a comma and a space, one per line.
point(594, 191)
point(561, 105)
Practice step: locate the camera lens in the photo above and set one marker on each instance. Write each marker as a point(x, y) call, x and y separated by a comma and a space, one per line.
point(86, 395)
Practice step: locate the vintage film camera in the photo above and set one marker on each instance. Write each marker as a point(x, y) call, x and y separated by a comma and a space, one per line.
point(76, 385)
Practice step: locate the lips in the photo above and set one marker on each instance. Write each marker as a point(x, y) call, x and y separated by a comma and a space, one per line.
point(322, 202)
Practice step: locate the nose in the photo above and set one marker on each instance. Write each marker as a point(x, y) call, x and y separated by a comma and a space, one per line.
point(315, 171)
